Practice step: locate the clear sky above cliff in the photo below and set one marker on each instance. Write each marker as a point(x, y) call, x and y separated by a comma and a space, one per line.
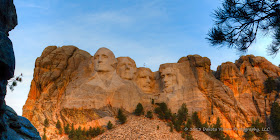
point(151, 32)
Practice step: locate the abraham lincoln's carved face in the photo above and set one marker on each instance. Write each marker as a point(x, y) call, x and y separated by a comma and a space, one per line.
point(168, 78)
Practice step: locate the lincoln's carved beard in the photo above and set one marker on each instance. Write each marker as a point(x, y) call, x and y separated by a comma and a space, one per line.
point(144, 80)
point(104, 60)
point(169, 80)
point(126, 69)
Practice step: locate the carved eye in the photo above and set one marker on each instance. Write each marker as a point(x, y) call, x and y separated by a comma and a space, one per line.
point(162, 76)
point(104, 56)
point(96, 57)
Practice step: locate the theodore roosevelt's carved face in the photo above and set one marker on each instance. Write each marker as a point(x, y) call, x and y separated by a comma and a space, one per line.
point(168, 78)
point(104, 60)
point(144, 79)
point(126, 68)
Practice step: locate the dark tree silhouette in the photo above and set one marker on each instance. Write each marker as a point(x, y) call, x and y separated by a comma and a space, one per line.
point(121, 117)
point(237, 23)
point(139, 110)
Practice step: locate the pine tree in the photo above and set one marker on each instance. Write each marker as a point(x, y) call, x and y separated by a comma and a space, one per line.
point(248, 135)
point(219, 133)
point(72, 132)
point(58, 124)
point(188, 126)
point(149, 114)
point(121, 117)
point(46, 122)
point(139, 109)
point(259, 125)
point(238, 22)
point(44, 137)
point(109, 125)
point(182, 113)
point(196, 121)
point(275, 118)
point(189, 137)
point(67, 129)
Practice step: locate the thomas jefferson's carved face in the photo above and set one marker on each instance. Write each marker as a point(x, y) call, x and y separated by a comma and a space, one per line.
point(144, 79)
point(104, 60)
point(169, 79)
point(126, 68)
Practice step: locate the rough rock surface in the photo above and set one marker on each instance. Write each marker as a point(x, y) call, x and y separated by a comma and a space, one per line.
point(8, 15)
point(144, 128)
point(12, 126)
point(18, 127)
point(72, 86)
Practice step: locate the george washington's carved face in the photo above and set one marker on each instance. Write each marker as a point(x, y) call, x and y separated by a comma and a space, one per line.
point(104, 60)
point(126, 68)
point(144, 79)
point(168, 78)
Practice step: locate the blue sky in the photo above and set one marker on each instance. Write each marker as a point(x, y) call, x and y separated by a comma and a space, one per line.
point(151, 32)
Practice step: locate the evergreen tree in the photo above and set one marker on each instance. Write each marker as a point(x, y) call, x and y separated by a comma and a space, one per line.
point(58, 124)
point(183, 135)
point(139, 110)
point(149, 114)
point(182, 113)
point(188, 126)
point(121, 117)
point(44, 137)
point(275, 118)
point(259, 125)
point(219, 133)
point(248, 135)
point(171, 127)
point(189, 137)
point(163, 111)
point(46, 122)
point(238, 22)
point(269, 85)
point(196, 121)
point(67, 129)
point(177, 126)
point(60, 130)
point(109, 125)
point(72, 132)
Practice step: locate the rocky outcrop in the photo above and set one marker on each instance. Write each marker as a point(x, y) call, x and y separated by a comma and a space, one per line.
point(18, 127)
point(12, 126)
point(72, 86)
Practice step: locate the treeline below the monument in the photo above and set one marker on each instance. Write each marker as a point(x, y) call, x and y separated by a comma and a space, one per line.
point(79, 133)
point(185, 125)
point(181, 121)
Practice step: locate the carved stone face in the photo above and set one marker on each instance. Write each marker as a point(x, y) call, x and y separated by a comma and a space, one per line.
point(169, 79)
point(126, 68)
point(144, 79)
point(104, 60)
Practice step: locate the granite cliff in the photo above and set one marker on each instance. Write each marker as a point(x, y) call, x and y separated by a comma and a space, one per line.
point(72, 86)
point(12, 126)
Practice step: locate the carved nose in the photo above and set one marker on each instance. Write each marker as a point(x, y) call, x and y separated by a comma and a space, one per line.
point(127, 67)
point(99, 59)
point(148, 80)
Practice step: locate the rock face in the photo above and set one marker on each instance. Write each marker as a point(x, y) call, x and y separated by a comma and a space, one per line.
point(72, 86)
point(12, 126)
